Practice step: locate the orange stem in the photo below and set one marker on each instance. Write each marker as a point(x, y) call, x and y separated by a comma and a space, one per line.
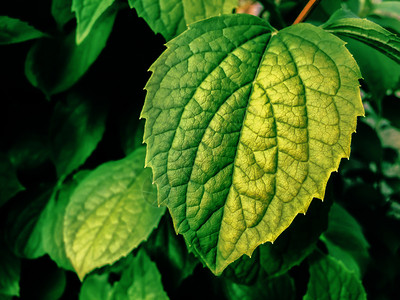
point(306, 10)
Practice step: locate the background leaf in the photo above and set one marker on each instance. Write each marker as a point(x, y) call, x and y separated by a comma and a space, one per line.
point(107, 216)
point(170, 17)
point(87, 13)
point(54, 65)
point(329, 279)
point(9, 184)
point(61, 12)
point(235, 155)
point(16, 31)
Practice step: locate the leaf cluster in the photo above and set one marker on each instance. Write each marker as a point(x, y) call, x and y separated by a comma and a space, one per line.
point(244, 119)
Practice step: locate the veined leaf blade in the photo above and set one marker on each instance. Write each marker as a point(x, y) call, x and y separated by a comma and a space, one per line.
point(244, 126)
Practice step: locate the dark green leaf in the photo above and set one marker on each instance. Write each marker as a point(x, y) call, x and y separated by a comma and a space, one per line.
point(16, 31)
point(345, 240)
point(281, 287)
point(330, 280)
point(9, 184)
point(369, 33)
point(54, 65)
point(10, 267)
point(77, 126)
point(96, 287)
point(61, 11)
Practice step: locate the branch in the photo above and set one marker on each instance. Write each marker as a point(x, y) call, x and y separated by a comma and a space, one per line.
point(306, 11)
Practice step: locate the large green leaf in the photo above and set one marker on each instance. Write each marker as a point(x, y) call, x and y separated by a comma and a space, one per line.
point(170, 17)
point(330, 280)
point(16, 31)
point(54, 65)
point(87, 13)
point(244, 126)
point(108, 215)
point(367, 32)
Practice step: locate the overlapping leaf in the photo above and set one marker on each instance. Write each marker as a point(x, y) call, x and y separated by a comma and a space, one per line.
point(170, 17)
point(244, 126)
point(108, 216)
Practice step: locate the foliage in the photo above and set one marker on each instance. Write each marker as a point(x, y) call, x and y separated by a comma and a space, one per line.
point(245, 117)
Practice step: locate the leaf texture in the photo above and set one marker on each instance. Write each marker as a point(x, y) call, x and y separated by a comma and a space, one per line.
point(330, 280)
point(369, 33)
point(16, 31)
point(170, 17)
point(244, 126)
point(108, 216)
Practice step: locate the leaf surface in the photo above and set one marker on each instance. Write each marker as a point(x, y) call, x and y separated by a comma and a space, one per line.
point(170, 17)
point(244, 127)
point(367, 32)
point(87, 13)
point(141, 280)
point(61, 12)
point(329, 279)
point(16, 31)
point(9, 183)
point(54, 65)
point(107, 215)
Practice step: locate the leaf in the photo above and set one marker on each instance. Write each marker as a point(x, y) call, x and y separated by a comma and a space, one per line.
point(297, 242)
point(345, 240)
point(281, 287)
point(53, 223)
point(87, 13)
point(169, 251)
point(96, 287)
point(244, 127)
point(107, 216)
point(16, 31)
point(9, 184)
point(369, 33)
point(170, 17)
point(140, 281)
point(77, 126)
point(329, 279)
point(61, 12)
point(10, 268)
point(54, 65)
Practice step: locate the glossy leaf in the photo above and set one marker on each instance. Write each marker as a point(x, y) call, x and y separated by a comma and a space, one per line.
point(54, 65)
point(108, 216)
point(369, 33)
point(244, 126)
point(16, 31)
point(329, 279)
point(140, 281)
point(87, 13)
point(170, 17)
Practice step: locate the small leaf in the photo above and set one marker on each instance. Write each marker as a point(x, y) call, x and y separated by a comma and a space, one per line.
point(281, 287)
point(108, 216)
point(244, 127)
point(345, 240)
point(170, 17)
point(87, 13)
point(61, 12)
point(16, 31)
point(329, 279)
point(369, 33)
point(140, 281)
point(77, 126)
point(9, 184)
point(10, 268)
point(54, 65)
point(96, 287)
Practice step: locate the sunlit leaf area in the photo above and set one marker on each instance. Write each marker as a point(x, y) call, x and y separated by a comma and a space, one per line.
point(199, 149)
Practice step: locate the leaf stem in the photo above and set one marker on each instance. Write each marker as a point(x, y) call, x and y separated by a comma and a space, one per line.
point(306, 11)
